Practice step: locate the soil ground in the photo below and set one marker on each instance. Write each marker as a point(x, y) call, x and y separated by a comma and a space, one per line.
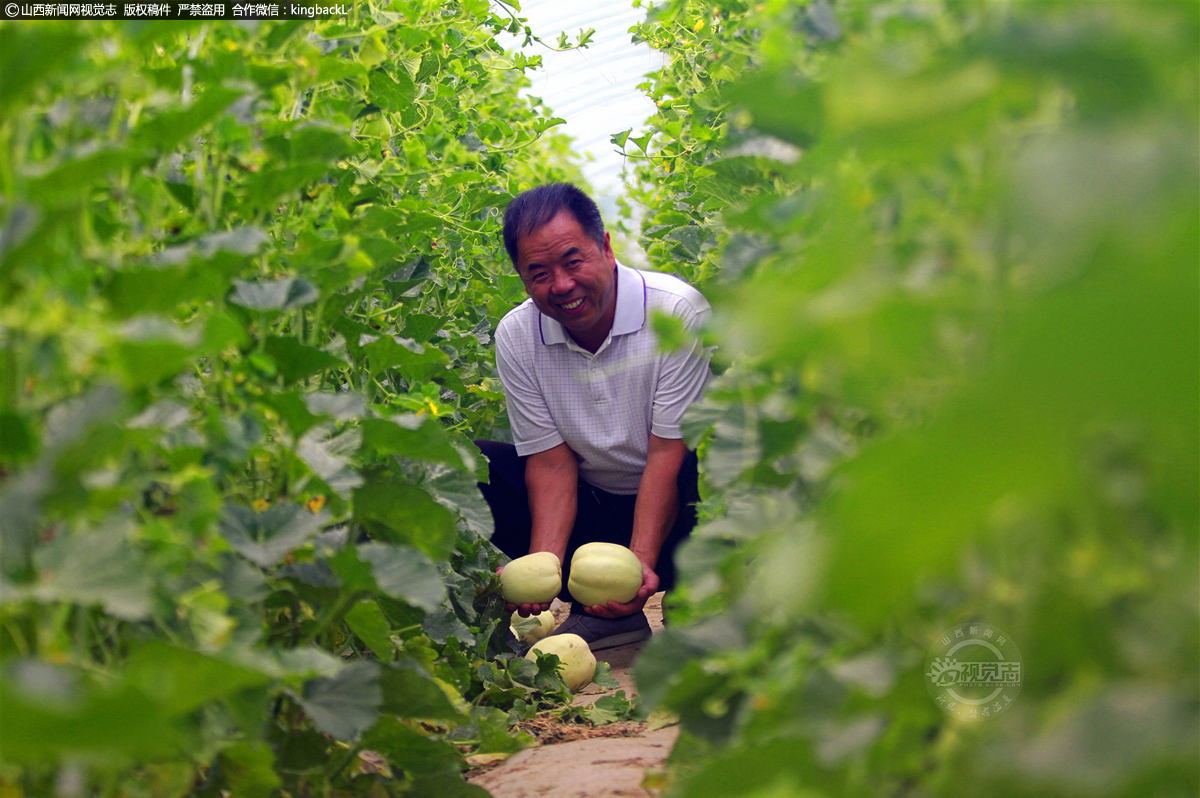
point(579, 761)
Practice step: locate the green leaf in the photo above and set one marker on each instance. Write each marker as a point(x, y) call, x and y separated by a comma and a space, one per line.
point(776, 768)
point(346, 704)
point(330, 456)
point(495, 735)
point(31, 55)
point(415, 362)
point(409, 750)
point(273, 295)
point(782, 104)
point(603, 677)
point(181, 680)
point(95, 568)
point(320, 141)
point(248, 767)
point(16, 438)
point(150, 349)
point(392, 91)
point(690, 238)
point(292, 410)
point(458, 491)
point(409, 693)
point(441, 623)
point(265, 189)
point(412, 436)
point(69, 182)
point(421, 327)
point(245, 240)
point(166, 131)
point(196, 271)
point(402, 513)
point(266, 538)
point(338, 406)
point(303, 752)
point(296, 360)
point(405, 573)
point(610, 708)
point(150, 289)
point(52, 712)
point(400, 572)
point(444, 785)
point(368, 622)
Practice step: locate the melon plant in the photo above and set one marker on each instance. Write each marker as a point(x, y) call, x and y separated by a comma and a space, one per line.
point(953, 274)
point(248, 280)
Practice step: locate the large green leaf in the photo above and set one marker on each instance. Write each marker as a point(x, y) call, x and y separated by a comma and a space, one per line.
point(413, 437)
point(782, 104)
point(409, 750)
point(409, 693)
point(150, 350)
point(33, 54)
point(392, 92)
point(401, 572)
point(329, 454)
point(459, 492)
point(266, 538)
point(402, 513)
point(53, 712)
point(273, 295)
point(165, 131)
point(346, 704)
point(68, 183)
point(97, 567)
point(248, 767)
point(198, 270)
point(269, 187)
point(296, 361)
point(181, 680)
point(416, 362)
point(444, 785)
point(320, 141)
point(1082, 359)
point(368, 622)
point(404, 572)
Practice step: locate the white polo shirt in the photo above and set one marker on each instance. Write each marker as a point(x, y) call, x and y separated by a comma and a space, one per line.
point(603, 405)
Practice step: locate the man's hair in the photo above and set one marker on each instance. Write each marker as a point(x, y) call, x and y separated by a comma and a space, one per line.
point(533, 208)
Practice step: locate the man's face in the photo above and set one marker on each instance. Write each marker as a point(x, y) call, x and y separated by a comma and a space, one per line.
point(570, 278)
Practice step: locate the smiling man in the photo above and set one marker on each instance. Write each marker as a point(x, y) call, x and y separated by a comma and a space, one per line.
point(594, 406)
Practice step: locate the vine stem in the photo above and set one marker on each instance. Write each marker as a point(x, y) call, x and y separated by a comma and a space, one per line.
point(341, 763)
point(335, 611)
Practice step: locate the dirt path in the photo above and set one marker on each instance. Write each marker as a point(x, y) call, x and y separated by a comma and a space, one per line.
point(584, 762)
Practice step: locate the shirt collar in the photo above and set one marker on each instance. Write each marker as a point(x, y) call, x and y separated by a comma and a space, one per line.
point(630, 315)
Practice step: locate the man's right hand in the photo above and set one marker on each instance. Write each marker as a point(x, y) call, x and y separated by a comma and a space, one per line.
point(525, 610)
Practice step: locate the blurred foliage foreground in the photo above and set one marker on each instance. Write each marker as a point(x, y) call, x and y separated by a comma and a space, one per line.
point(248, 277)
point(953, 253)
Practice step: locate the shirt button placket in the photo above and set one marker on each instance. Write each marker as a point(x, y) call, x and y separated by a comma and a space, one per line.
point(596, 394)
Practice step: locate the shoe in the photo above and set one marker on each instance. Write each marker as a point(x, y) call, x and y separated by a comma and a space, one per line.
point(602, 633)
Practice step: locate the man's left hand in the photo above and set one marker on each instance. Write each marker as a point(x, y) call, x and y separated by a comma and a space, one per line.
point(614, 610)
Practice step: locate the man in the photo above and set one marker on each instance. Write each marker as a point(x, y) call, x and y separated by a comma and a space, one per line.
point(593, 405)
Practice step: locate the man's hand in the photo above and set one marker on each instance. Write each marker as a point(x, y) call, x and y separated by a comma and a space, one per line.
point(525, 610)
point(614, 610)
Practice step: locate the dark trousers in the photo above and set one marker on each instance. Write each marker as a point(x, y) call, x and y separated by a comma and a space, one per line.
point(600, 515)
